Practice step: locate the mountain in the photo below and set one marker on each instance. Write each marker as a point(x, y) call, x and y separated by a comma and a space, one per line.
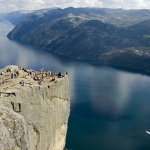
point(16, 17)
point(115, 36)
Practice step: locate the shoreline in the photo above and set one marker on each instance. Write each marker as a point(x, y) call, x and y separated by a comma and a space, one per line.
point(91, 61)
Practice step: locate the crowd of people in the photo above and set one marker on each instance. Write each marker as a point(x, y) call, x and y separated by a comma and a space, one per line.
point(35, 75)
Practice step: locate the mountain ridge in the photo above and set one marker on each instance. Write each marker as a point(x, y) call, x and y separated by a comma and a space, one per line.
point(89, 34)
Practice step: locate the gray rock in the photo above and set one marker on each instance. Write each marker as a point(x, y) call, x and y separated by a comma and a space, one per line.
point(33, 116)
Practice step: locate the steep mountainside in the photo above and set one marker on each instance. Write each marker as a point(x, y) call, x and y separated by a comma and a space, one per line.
point(90, 33)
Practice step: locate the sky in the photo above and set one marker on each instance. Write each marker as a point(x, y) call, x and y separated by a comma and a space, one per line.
point(14, 5)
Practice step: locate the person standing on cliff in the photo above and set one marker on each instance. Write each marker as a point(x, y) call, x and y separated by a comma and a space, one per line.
point(42, 75)
point(17, 72)
point(22, 83)
point(12, 76)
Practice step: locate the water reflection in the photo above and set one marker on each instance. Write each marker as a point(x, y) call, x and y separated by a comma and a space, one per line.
point(112, 111)
point(109, 107)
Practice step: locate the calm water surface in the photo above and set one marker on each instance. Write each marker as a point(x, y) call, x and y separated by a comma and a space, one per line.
point(110, 109)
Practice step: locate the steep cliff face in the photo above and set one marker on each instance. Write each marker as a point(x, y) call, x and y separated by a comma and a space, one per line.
point(33, 115)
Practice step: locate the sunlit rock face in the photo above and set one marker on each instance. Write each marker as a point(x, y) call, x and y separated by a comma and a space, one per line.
point(33, 114)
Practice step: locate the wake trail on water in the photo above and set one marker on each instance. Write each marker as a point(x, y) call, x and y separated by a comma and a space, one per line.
point(147, 132)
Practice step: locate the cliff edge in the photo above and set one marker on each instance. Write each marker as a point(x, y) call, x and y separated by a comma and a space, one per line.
point(34, 109)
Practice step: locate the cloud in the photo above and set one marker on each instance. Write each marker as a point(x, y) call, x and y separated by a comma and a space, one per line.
point(13, 5)
point(126, 4)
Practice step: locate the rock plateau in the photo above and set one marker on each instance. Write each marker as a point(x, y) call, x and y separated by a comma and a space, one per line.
point(33, 112)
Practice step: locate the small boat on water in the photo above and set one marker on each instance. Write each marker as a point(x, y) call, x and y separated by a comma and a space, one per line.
point(148, 132)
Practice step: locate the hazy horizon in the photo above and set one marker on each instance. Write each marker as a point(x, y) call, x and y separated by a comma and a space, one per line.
point(15, 5)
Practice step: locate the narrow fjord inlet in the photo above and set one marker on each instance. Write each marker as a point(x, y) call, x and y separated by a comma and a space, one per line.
point(109, 107)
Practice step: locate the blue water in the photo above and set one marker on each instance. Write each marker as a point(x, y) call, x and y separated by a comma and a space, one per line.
point(110, 108)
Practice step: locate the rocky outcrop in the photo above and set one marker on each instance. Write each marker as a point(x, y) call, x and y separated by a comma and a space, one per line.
point(33, 115)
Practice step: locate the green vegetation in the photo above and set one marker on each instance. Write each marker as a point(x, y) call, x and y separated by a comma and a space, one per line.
point(115, 36)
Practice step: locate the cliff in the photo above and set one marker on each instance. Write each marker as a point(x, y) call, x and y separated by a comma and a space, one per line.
point(34, 109)
point(109, 36)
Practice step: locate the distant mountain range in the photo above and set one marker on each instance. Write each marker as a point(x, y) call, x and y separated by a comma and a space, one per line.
point(114, 36)
point(15, 17)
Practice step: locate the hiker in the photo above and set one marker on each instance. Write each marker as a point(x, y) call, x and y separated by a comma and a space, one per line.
point(53, 79)
point(17, 72)
point(52, 74)
point(35, 77)
point(49, 73)
point(25, 70)
point(19, 67)
point(2, 72)
point(42, 75)
point(59, 75)
point(22, 83)
point(46, 74)
point(12, 76)
point(30, 72)
point(11, 70)
point(40, 82)
point(15, 75)
point(8, 70)
point(63, 74)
